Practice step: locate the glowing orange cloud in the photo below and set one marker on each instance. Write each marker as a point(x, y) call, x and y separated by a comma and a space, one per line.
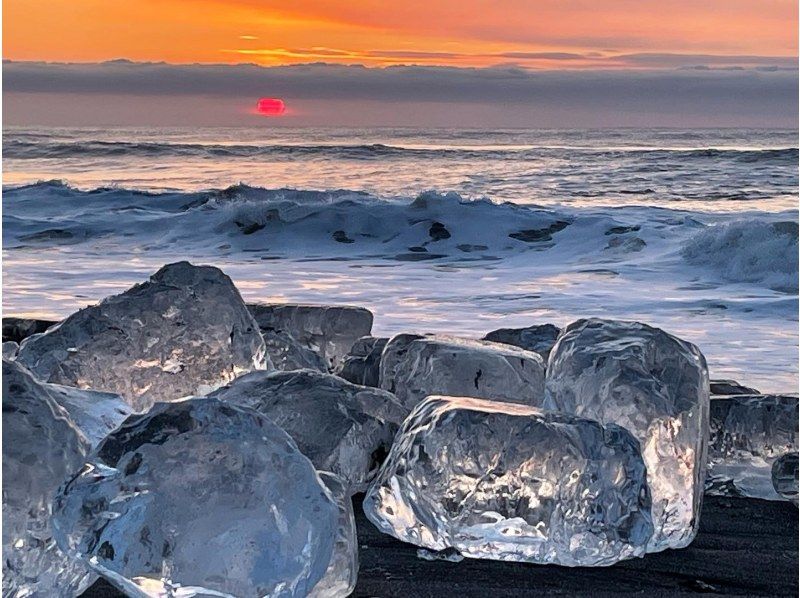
point(541, 34)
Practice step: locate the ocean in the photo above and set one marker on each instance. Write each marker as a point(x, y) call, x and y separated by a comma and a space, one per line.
point(453, 231)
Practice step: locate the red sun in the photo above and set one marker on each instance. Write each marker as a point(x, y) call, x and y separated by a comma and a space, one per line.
point(270, 107)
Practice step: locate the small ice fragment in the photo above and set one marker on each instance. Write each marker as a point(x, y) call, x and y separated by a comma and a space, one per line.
point(748, 433)
point(450, 555)
point(785, 476)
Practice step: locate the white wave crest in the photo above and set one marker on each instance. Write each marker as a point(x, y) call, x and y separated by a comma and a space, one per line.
point(754, 251)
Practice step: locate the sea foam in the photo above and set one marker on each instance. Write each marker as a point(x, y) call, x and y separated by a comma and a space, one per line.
point(754, 251)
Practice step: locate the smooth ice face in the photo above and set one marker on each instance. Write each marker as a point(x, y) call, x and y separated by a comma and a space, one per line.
point(510, 482)
point(540, 338)
point(462, 367)
point(392, 355)
point(328, 330)
point(342, 572)
point(341, 427)
point(94, 413)
point(363, 362)
point(785, 476)
point(41, 448)
point(184, 331)
point(656, 386)
point(748, 433)
point(199, 497)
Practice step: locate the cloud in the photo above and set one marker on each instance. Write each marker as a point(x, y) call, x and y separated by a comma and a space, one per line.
point(540, 59)
point(675, 96)
point(666, 60)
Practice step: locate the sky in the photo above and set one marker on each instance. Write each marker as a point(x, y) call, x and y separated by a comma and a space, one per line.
point(371, 62)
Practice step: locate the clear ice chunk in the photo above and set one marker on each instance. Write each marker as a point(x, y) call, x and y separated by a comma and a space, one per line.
point(362, 363)
point(343, 428)
point(199, 497)
point(18, 329)
point(748, 433)
point(10, 350)
point(96, 414)
point(392, 355)
point(342, 572)
point(785, 476)
point(41, 448)
point(731, 387)
point(443, 365)
point(656, 386)
point(539, 338)
point(328, 330)
point(185, 331)
point(451, 555)
point(510, 482)
point(287, 354)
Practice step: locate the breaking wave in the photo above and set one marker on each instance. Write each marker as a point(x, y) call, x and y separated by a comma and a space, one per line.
point(753, 251)
point(353, 225)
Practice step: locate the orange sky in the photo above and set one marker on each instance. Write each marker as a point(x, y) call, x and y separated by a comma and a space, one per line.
point(533, 33)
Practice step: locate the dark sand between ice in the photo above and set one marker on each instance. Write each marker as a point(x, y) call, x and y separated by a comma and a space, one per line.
point(746, 547)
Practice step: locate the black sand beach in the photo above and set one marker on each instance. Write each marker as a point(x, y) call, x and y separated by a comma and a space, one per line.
point(746, 547)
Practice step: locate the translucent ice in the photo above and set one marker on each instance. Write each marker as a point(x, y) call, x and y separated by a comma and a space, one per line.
point(41, 447)
point(287, 354)
point(10, 350)
point(329, 330)
point(656, 386)
point(342, 572)
point(184, 331)
point(785, 476)
point(540, 338)
point(392, 355)
point(469, 368)
point(362, 363)
point(510, 482)
point(730, 387)
point(199, 497)
point(18, 329)
point(95, 414)
point(748, 433)
point(341, 427)
point(450, 555)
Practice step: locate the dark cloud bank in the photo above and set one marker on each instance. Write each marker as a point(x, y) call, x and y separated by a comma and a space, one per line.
point(123, 92)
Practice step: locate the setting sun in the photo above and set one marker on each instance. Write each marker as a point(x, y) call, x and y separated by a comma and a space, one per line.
point(270, 107)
